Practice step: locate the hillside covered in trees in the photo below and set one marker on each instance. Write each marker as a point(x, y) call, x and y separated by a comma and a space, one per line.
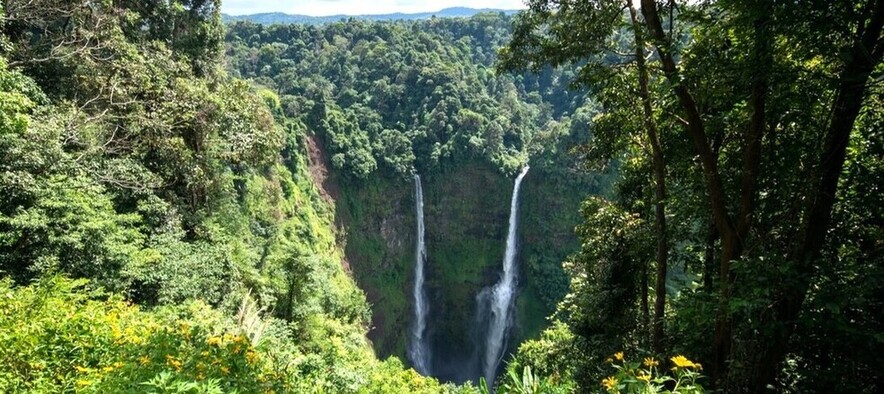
point(179, 197)
point(388, 99)
point(193, 207)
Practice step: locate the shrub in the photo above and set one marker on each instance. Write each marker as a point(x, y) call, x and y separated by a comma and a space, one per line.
point(60, 336)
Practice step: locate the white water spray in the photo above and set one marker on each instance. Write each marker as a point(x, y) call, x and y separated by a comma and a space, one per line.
point(418, 350)
point(502, 294)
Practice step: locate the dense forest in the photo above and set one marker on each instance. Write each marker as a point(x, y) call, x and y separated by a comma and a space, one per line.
point(386, 99)
point(178, 198)
point(193, 207)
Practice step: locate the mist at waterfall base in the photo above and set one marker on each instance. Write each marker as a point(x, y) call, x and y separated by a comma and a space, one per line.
point(491, 329)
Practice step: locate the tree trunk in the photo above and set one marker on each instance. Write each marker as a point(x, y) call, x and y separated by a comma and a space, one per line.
point(659, 163)
point(732, 233)
point(734, 243)
point(646, 314)
point(731, 245)
point(709, 257)
point(865, 55)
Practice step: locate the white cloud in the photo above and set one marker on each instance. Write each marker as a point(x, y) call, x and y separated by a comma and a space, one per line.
point(357, 7)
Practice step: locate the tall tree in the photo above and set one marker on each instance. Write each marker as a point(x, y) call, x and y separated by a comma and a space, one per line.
point(659, 164)
point(598, 20)
point(728, 79)
point(864, 55)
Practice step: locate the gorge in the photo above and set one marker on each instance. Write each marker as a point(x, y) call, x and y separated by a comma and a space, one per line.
point(344, 205)
point(375, 122)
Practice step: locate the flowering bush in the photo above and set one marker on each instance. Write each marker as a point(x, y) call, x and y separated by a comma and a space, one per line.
point(649, 377)
point(58, 337)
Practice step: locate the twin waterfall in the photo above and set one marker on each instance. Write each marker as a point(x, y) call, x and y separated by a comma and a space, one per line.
point(418, 349)
point(496, 303)
point(501, 297)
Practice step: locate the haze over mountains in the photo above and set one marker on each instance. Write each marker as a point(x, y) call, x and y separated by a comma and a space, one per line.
point(283, 18)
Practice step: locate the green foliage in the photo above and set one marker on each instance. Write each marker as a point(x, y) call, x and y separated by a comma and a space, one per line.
point(149, 171)
point(389, 99)
point(554, 354)
point(649, 377)
point(752, 105)
point(384, 97)
point(60, 336)
point(604, 277)
point(526, 383)
point(71, 227)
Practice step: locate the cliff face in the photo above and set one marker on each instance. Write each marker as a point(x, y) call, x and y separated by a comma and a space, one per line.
point(466, 216)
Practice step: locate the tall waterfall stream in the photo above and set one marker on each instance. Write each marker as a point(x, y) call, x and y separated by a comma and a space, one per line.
point(500, 297)
point(418, 349)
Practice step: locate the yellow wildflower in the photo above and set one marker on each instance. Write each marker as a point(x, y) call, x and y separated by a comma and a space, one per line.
point(682, 362)
point(213, 340)
point(618, 356)
point(225, 370)
point(83, 382)
point(144, 360)
point(107, 369)
point(643, 376)
point(175, 363)
point(251, 356)
point(650, 362)
point(81, 369)
point(609, 383)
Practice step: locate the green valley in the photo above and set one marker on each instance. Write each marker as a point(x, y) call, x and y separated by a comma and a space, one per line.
point(613, 196)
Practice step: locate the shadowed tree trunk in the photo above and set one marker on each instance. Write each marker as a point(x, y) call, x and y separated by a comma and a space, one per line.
point(709, 257)
point(864, 56)
point(659, 164)
point(732, 232)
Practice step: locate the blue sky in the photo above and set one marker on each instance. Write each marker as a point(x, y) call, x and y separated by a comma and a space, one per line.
point(356, 7)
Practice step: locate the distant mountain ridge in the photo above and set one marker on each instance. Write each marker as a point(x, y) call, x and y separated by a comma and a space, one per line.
point(283, 18)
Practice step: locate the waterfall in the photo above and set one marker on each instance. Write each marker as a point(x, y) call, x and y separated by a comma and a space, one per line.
point(418, 351)
point(501, 296)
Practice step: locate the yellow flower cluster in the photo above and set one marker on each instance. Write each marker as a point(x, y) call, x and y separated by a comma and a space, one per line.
point(617, 356)
point(609, 383)
point(650, 362)
point(106, 369)
point(174, 362)
point(251, 356)
point(682, 362)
